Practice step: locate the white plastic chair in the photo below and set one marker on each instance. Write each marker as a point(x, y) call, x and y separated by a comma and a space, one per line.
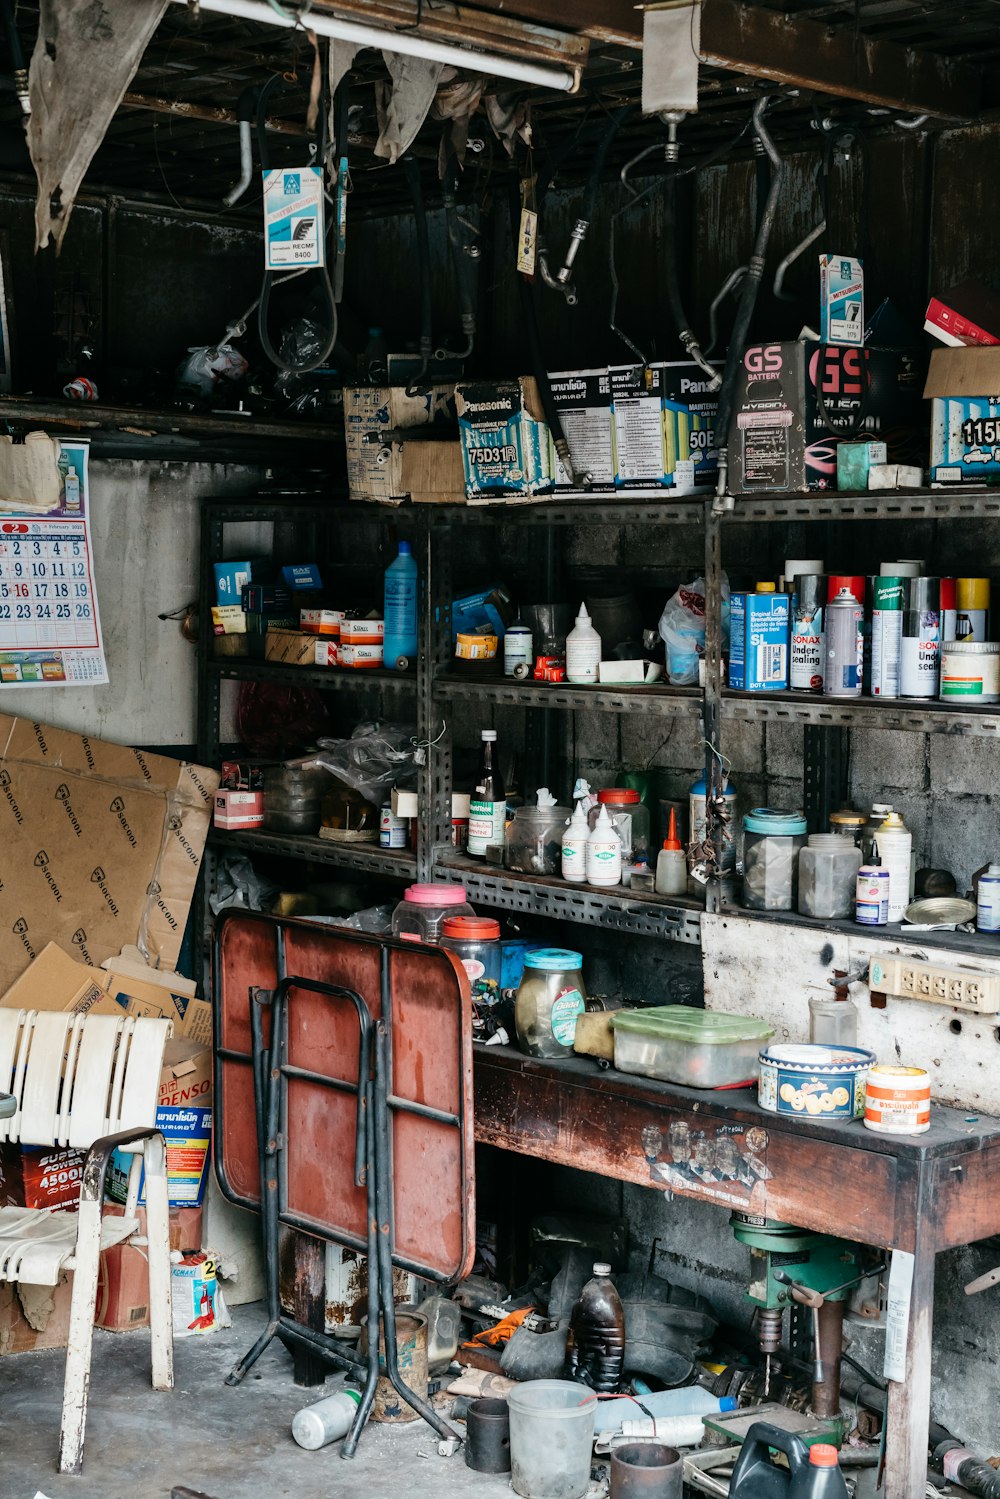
point(87, 1083)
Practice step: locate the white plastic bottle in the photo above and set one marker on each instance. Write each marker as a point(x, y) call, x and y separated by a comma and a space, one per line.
point(895, 847)
point(315, 1426)
point(583, 651)
point(671, 863)
point(574, 846)
point(689, 1400)
point(604, 852)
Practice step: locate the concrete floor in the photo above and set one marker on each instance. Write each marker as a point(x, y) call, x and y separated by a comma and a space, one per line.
point(227, 1443)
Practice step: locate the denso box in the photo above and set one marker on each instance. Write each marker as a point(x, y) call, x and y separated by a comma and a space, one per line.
point(758, 641)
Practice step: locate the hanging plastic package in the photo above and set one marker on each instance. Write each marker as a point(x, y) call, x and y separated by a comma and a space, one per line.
point(682, 629)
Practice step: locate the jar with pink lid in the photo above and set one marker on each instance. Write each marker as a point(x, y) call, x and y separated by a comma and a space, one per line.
point(423, 909)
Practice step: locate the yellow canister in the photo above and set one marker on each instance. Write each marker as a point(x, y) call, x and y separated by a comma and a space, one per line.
point(898, 1100)
point(476, 647)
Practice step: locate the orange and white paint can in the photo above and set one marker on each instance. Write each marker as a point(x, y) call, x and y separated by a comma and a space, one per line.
point(898, 1100)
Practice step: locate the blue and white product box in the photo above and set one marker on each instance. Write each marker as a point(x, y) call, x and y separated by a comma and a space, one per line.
point(187, 1133)
point(841, 300)
point(583, 400)
point(637, 426)
point(293, 218)
point(663, 427)
point(506, 449)
point(232, 577)
point(301, 575)
point(965, 425)
point(758, 642)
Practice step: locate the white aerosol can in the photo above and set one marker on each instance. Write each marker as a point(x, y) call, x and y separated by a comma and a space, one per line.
point(844, 645)
point(895, 847)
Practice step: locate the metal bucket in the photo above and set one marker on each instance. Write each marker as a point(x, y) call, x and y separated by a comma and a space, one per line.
point(646, 1470)
point(487, 1436)
point(411, 1355)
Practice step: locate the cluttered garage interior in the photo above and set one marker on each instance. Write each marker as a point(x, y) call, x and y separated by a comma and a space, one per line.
point(499, 860)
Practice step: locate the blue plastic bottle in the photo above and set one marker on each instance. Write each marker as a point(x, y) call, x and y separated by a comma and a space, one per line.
point(401, 610)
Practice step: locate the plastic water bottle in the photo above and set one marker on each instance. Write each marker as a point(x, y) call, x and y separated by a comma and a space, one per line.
point(401, 610)
point(691, 1400)
point(597, 1352)
point(327, 1421)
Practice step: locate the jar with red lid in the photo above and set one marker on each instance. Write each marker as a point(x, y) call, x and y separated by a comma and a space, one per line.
point(423, 909)
point(630, 816)
point(475, 941)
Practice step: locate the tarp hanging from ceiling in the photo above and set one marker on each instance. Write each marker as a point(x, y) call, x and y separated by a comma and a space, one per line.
point(84, 59)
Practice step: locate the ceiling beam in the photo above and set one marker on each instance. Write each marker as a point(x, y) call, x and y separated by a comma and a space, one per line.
point(833, 60)
point(614, 22)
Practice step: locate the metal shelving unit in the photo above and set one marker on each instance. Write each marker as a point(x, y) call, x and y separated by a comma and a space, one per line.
point(246, 669)
point(663, 701)
point(959, 502)
point(614, 910)
point(929, 717)
point(394, 864)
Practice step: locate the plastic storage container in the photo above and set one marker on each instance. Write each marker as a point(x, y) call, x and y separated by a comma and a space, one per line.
point(697, 1048)
point(475, 941)
point(806, 1472)
point(423, 909)
point(550, 997)
point(630, 816)
point(848, 824)
point(772, 841)
point(533, 841)
point(828, 874)
point(551, 1435)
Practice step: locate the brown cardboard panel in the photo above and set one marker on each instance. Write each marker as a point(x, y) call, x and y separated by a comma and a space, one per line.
point(100, 845)
point(964, 372)
point(432, 472)
point(186, 1078)
point(292, 647)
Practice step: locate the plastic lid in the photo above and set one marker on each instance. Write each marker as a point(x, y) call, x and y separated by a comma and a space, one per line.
point(774, 821)
point(601, 1268)
point(553, 959)
point(698, 788)
point(827, 840)
point(973, 593)
point(848, 818)
point(471, 928)
point(822, 1455)
point(684, 1023)
point(994, 869)
point(405, 550)
point(623, 794)
point(972, 647)
point(489, 735)
point(672, 841)
point(794, 566)
point(435, 895)
point(765, 588)
point(583, 618)
point(883, 807)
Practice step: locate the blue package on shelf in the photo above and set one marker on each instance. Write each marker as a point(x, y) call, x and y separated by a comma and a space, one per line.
point(299, 575)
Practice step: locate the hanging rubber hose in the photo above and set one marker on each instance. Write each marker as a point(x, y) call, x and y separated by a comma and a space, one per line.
point(17, 63)
point(561, 281)
point(326, 285)
point(746, 305)
point(461, 252)
point(685, 332)
point(411, 172)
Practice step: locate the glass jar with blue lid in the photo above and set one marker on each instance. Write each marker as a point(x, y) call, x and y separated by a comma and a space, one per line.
point(550, 998)
point(772, 841)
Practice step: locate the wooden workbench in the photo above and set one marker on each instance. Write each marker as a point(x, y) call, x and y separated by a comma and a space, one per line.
point(920, 1194)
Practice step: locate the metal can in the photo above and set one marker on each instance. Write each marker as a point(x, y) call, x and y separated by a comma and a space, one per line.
point(805, 657)
point(393, 831)
point(886, 635)
point(842, 670)
point(871, 902)
point(972, 599)
point(949, 608)
point(517, 649)
point(988, 900)
point(920, 649)
point(970, 671)
point(898, 1100)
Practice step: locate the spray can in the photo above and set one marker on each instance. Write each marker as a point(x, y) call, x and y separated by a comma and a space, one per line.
point(876, 817)
point(886, 634)
point(920, 650)
point(796, 567)
point(988, 900)
point(844, 646)
point(326, 1421)
point(949, 612)
point(871, 901)
point(805, 657)
point(973, 608)
point(895, 848)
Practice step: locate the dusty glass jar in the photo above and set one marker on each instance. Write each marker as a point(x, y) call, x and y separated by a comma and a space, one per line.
point(550, 998)
point(475, 941)
point(828, 872)
point(533, 841)
point(772, 841)
point(424, 908)
point(630, 816)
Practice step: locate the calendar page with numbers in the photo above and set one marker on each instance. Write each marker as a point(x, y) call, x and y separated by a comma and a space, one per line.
point(50, 628)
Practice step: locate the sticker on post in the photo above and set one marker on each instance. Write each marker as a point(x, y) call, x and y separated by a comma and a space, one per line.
point(293, 218)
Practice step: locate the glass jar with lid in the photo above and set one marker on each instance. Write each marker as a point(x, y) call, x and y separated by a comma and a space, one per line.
point(550, 998)
point(828, 872)
point(475, 941)
point(630, 816)
point(848, 824)
point(772, 841)
point(423, 909)
point(533, 840)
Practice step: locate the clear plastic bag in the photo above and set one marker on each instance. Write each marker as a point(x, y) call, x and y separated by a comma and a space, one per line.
point(377, 757)
point(206, 368)
point(682, 629)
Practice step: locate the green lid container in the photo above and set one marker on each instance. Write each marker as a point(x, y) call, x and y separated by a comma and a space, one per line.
point(683, 1023)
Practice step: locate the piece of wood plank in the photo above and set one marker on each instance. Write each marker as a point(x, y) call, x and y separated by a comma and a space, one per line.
point(908, 1412)
point(616, 22)
point(809, 55)
point(517, 33)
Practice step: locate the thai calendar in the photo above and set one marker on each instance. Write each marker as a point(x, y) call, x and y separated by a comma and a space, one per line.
point(50, 629)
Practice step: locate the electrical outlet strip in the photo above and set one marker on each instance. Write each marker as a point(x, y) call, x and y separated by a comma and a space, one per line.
point(961, 988)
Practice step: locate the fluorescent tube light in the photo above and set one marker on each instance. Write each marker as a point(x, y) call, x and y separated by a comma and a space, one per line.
point(399, 41)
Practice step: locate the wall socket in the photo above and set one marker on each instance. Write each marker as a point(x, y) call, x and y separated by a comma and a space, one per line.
point(961, 988)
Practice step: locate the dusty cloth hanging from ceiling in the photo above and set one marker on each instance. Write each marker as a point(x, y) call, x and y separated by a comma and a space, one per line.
point(84, 59)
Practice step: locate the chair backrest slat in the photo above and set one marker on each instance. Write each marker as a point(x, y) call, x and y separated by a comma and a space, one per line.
point(141, 1086)
point(88, 1083)
point(43, 1078)
point(12, 1045)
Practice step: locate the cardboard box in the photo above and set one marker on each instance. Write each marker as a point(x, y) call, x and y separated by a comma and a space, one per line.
point(375, 469)
point(191, 1017)
point(841, 300)
point(290, 647)
point(963, 385)
point(362, 632)
point(238, 809)
point(232, 577)
point(663, 427)
point(107, 843)
point(228, 619)
point(966, 315)
point(35, 1176)
point(34, 1317)
point(301, 577)
point(361, 657)
point(506, 449)
point(188, 1135)
point(583, 400)
point(123, 1278)
point(321, 622)
point(265, 598)
point(433, 473)
point(186, 1077)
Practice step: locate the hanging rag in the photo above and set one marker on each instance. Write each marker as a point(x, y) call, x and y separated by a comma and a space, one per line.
point(402, 106)
point(456, 100)
point(85, 58)
point(510, 119)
